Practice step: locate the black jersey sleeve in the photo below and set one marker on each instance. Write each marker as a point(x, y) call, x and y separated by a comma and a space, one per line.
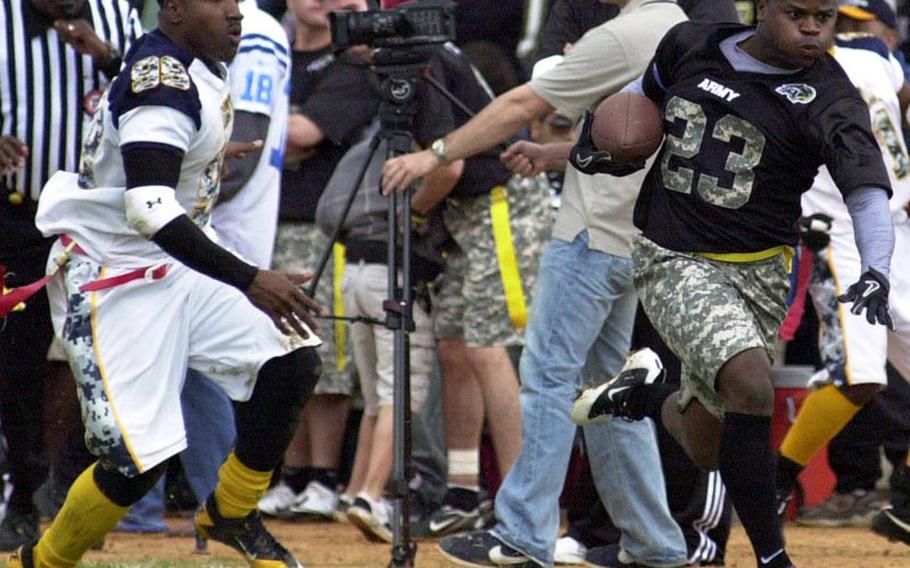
point(156, 73)
point(659, 74)
point(847, 146)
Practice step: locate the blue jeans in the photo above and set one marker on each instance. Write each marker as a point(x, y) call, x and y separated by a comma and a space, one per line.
point(208, 416)
point(579, 331)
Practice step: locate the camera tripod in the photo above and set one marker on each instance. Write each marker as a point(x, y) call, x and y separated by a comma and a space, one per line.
point(399, 72)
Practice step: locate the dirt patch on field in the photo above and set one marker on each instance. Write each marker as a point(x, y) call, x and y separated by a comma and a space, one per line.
point(333, 545)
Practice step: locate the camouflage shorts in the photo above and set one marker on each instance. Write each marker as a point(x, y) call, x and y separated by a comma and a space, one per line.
point(708, 311)
point(471, 300)
point(298, 248)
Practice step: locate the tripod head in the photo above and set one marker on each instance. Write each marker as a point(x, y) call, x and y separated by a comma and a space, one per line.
point(398, 72)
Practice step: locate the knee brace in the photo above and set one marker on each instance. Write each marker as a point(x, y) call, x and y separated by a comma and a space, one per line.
point(123, 490)
point(266, 422)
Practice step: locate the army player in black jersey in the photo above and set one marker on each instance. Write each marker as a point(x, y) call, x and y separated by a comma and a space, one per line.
point(750, 115)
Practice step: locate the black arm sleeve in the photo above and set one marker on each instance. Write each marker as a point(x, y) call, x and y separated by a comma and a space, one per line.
point(248, 126)
point(151, 164)
point(158, 164)
point(186, 242)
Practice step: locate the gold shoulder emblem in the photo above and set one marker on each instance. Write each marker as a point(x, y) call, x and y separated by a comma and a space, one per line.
point(173, 73)
point(145, 74)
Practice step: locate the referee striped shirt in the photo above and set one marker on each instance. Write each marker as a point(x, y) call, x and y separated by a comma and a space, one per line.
point(48, 90)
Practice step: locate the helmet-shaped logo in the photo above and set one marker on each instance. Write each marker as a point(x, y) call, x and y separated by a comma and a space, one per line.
point(797, 93)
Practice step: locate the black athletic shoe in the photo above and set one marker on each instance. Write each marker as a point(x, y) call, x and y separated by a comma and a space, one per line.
point(481, 549)
point(247, 535)
point(19, 528)
point(891, 525)
point(596, 403)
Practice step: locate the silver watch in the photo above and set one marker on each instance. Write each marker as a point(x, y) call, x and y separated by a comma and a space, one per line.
point(438, 148)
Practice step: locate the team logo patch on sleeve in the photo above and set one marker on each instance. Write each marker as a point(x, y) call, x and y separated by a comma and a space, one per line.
point(797, 93)
point(145, 74)
point(152, 71)
point(173, 73)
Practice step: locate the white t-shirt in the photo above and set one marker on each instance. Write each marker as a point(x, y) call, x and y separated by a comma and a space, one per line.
point(163, 96)
point(878, 77)
point(259, 77)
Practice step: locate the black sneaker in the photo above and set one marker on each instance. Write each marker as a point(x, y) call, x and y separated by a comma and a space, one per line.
point(21, 558)
point(889, 524)
point(247, 535)
point(596, 403)
point(462, 510)
point(18, 528)
point(481, 548)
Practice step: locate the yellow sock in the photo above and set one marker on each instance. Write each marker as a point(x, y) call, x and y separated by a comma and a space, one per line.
point(86, 516)
point(239, 488)
point(824, 413)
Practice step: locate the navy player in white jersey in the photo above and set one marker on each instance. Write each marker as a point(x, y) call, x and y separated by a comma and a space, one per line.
point(750, 114)
point(146, 292)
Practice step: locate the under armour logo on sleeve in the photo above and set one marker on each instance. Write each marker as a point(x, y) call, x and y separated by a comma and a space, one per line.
point(151, 204)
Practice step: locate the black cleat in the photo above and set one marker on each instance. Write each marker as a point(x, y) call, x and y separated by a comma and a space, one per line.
point(596, 403)
point(247, 535)
point(891, 525)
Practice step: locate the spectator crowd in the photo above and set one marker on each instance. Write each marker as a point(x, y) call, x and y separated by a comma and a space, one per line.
point(523, 290)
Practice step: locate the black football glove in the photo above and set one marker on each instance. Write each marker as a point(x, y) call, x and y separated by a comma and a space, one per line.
point(870, 292)
point(814, 231)
point(586, 158)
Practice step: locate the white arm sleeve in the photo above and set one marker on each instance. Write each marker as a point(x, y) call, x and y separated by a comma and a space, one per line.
point(150, 207)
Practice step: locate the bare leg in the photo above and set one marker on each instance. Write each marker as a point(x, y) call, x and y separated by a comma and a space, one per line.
point(695, 429)
point(325, 418)
point(462, 406)
point(380, 463)
point(361, 456)
point(499, 385)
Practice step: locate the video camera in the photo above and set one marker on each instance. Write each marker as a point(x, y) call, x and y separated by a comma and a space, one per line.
point(417, 23)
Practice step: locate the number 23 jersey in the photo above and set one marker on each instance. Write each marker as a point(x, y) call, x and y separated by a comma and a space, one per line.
point(741, 147)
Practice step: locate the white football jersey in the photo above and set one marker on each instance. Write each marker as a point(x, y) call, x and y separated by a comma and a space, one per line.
point(162, 97)
point(878, 77)
point(260, 74)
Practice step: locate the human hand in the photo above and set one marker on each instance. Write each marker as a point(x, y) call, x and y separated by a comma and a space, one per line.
point(398, 174)
point(239, 150)
point(870, 292)
point(80, 34)
point(814, 231)
point(280, 297)
point(12, 154)
point(524, 158)
point(588, 159)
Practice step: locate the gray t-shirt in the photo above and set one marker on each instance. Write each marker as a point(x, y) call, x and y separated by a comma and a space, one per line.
point(604, 60)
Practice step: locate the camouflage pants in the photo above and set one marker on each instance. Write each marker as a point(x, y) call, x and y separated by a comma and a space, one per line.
point(298, 247)
point(708, 311)
point(471, 300)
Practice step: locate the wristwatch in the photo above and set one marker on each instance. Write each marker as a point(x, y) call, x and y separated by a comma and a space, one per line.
point(438, 148)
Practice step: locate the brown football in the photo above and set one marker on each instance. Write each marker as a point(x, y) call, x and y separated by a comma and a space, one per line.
point(628, 126)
